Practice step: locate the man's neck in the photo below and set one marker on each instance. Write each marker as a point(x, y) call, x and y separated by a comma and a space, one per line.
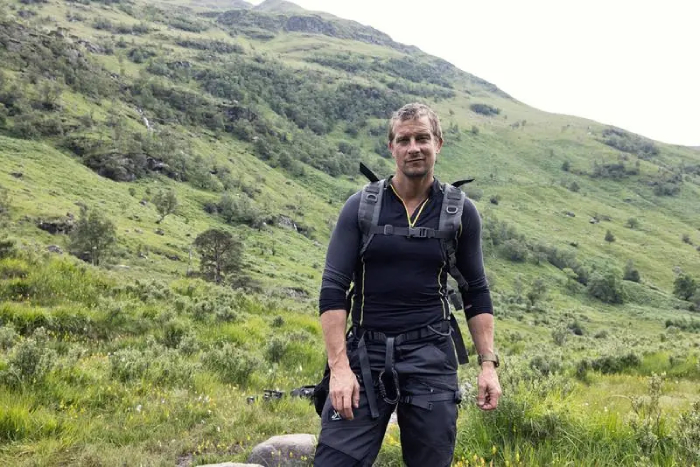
point(412, 189)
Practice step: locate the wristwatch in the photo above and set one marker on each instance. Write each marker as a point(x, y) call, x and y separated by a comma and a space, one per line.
point(489, 357)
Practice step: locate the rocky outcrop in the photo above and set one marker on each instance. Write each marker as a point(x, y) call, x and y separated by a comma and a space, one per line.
point(55, 226)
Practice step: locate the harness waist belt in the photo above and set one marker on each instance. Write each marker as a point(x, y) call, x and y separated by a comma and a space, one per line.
point(416, 334)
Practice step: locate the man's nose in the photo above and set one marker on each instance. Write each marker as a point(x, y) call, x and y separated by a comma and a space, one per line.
point(413, 146)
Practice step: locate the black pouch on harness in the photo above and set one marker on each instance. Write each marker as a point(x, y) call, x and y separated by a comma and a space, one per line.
point(321, 391)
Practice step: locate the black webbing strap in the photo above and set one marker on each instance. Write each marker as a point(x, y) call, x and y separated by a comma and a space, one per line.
point(368, 212)
point(450, 220)
point(416, 334)
point(460, 348)
point(366, 371)
point(425, 401)
point(410, 232)
point(389, 371)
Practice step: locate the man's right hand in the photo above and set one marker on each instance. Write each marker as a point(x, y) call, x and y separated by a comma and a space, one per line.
point(344, 391)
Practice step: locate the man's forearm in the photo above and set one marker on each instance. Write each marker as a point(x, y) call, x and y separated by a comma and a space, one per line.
point(481, 329)
point(333, 323)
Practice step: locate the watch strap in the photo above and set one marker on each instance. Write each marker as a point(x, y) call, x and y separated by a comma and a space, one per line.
point(489, 357)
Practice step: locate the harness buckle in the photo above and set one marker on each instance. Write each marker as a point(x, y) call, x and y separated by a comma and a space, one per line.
point(388, 229)
point(421, 232)
point(451, 209)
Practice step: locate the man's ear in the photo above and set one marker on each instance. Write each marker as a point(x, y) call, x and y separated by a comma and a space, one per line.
point(438, 146)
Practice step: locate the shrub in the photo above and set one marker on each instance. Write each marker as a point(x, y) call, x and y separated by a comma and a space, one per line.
point(174, 332)
point(565, 166)
point(128, 364)
point(616, 364)
point(239, 210)
point(537, 292)
point(8, 336)
point(684, 287)
point(630, 273)
point(545, 365)
point(7, 247)
point(632, 223)
point(688, 432)
point(31, 361)
point(515, 250)
point(560, 335)
point(609, 237)
point(485, 109)
point(233, 365)
point(606, 287)
point(277, 348)
point(226, 314)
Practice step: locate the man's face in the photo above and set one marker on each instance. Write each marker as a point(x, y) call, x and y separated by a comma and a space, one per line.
point(414, 147)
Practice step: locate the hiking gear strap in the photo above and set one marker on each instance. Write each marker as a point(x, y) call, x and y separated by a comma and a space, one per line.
point(450, 221)
point(410, 232)
point(367, 381)
point(368, 213)
point(458, 340)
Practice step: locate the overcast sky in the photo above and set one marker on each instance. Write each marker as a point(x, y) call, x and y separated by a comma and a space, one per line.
point(633, 64)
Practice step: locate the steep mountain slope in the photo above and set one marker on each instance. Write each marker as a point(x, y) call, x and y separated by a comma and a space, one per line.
point(290, 89)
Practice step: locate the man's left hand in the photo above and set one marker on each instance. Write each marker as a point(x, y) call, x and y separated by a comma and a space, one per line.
point(489, 388)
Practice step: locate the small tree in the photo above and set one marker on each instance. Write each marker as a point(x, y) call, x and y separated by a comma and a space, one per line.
point(606, 286)
point(609, 237)
point(220, 254)
point(537, 292)
point(632, 223)
point(93, 237)
point(166, 203)
point(631, 273)
point(684, 287)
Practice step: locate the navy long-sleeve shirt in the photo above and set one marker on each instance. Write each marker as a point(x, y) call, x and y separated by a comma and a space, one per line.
point(400, 282)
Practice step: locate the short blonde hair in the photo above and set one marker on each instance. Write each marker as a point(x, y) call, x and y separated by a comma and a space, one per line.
point(415, 111)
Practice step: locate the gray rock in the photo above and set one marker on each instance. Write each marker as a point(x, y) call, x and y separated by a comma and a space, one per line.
point(55, 249)
point(160, 232)
point(285, 451)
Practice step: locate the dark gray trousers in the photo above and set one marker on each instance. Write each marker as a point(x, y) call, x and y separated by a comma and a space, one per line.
point(427, 370)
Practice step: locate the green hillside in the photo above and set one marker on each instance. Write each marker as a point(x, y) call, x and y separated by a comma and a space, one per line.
point(256, 119)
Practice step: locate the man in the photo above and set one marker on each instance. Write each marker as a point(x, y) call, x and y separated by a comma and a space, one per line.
point(400, 354)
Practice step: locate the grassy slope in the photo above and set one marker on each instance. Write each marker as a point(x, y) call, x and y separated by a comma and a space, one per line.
point(521, 165)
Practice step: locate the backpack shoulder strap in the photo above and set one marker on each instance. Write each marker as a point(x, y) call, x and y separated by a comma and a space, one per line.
point(451, 221)
point(368, 212)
